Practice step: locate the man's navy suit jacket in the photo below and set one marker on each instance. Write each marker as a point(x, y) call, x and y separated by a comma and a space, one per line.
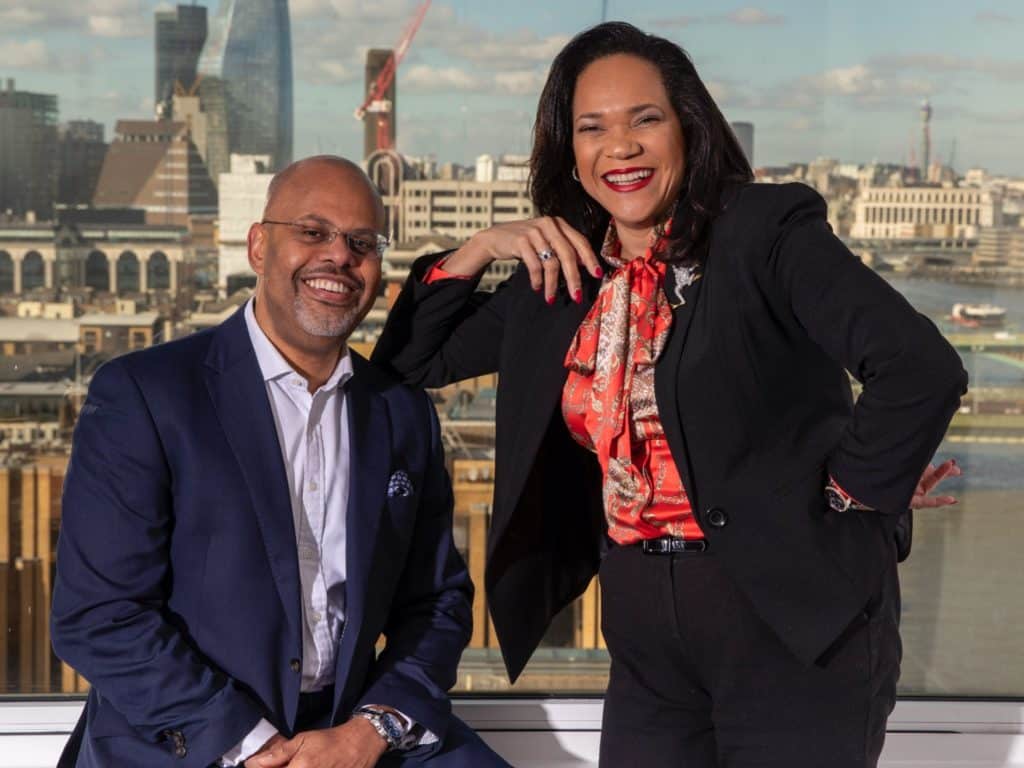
point(177, 592)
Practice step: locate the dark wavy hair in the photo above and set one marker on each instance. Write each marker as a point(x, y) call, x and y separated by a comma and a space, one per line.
point(714, 158)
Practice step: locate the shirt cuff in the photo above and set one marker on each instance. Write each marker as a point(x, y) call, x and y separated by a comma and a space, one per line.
point(250, 745)
point(426, 737)
point(437, 273)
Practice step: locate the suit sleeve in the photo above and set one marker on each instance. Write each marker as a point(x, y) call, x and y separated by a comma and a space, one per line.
point(442, 331)
point(431, 619)
point(912, 378)
point(110, 619)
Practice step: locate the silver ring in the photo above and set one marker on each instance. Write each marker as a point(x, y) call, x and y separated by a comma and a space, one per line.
point(545, 254)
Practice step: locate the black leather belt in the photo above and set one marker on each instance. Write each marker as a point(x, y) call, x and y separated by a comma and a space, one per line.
point(668, 545)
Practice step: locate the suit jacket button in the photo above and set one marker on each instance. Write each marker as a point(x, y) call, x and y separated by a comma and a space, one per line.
point(716, 517)
point(295, 665)
point(180, 751)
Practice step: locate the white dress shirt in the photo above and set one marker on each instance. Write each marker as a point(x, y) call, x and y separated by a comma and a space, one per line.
point(312, 429)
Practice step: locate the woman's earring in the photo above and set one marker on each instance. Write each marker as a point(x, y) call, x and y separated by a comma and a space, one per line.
point(575, 173)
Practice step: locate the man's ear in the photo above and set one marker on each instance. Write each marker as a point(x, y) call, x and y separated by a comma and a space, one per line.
point(257, 240)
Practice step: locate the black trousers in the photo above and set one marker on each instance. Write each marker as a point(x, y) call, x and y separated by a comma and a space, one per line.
point(699, 681)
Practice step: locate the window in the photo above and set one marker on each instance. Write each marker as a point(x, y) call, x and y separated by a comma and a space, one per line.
point(91, 229)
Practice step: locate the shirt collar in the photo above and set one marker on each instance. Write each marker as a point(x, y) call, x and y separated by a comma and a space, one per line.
point(272, 363)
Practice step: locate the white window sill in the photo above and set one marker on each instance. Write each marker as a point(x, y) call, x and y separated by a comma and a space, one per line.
point(564, 733)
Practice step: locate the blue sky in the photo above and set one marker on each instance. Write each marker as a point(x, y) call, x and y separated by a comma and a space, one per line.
point(842, 79)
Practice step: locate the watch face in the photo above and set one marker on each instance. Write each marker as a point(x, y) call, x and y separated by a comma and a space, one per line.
point(836, 500)
point(394, 727)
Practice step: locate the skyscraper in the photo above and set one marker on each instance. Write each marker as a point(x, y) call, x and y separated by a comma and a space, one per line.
point(246, 88)
point(28, 151)
point(180, 35)
point(82, 148)
point(381, 119)
point(745, 134)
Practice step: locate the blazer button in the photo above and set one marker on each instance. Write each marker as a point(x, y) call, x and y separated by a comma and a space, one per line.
point(295, 665)
point(180, 751)
point(716, 517)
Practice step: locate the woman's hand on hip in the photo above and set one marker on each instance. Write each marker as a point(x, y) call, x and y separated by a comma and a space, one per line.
point(932, 476)
point(549, 248)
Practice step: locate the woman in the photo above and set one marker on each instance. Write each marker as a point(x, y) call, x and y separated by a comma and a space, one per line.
point(674, 407)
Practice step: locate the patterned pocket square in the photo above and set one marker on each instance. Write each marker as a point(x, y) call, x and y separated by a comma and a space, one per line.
point(399, 485)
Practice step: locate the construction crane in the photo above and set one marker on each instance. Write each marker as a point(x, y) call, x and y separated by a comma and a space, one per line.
point(376, 102)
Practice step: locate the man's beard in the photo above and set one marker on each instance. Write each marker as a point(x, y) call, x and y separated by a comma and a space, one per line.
point(332, 324)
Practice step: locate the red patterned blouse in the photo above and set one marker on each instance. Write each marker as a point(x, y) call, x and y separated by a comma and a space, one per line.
point(608, 401)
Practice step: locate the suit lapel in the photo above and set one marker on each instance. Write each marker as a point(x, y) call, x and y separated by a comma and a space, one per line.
point(369, 470)
point(239, 396)
point(666, 373)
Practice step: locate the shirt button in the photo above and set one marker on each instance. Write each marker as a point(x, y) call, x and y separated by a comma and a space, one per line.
point(295, 665)
point(312, 486)
point(315, 616)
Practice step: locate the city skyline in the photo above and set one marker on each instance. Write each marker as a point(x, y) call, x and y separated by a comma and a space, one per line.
point(816, 79)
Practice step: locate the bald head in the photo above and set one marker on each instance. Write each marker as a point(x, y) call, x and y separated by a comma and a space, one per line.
point(302, 175)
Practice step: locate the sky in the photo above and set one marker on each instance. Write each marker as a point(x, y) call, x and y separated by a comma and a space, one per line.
point(835, 78)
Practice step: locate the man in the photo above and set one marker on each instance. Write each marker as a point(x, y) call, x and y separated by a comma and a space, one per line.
point(248, 509)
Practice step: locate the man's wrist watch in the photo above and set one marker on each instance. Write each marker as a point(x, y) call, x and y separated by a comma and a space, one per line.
point(841, 501)
point(389, 726)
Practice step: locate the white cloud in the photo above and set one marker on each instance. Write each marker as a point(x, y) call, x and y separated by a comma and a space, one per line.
point(753, 17)
point(27, 54)
point(521, 82)
point(514, 82)
point(744, 17)
point(102, 18)
point(425, 77)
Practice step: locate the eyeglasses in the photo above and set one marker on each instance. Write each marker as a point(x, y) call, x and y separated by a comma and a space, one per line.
point(363, 243)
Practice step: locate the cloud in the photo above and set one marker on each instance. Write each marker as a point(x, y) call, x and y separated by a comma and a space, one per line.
point(521, 82)
point(754, 17)
point(27, 54)
point(1002, 69)
point(101, 18)
point(993, 17)
point(336, 34)
point(425, 77)
point(743, 17)
point(34, 55)
point(512, 82)
point(861, 85)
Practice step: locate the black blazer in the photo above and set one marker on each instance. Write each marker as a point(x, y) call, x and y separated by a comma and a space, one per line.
point(757, 408)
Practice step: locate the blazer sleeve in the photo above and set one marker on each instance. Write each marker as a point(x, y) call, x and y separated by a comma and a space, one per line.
point(430, 620)
point(443, 331)
point(110, 619)
point(912, 378)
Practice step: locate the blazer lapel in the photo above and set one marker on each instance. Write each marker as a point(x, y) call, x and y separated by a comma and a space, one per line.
point(239, 396)
point(369, 470)
point(684, 303)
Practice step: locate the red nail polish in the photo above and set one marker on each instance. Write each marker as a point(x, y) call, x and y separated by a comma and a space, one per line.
point(577, 295)
point(598, 272)
point(550, 300)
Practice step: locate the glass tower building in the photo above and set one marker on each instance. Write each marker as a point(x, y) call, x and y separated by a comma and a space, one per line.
point(246, 88)
point(180, 35)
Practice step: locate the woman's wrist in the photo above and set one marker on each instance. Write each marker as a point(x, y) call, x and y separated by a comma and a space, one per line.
point(468, 260)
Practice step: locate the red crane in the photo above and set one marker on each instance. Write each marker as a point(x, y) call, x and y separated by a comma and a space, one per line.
point(376, 102)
